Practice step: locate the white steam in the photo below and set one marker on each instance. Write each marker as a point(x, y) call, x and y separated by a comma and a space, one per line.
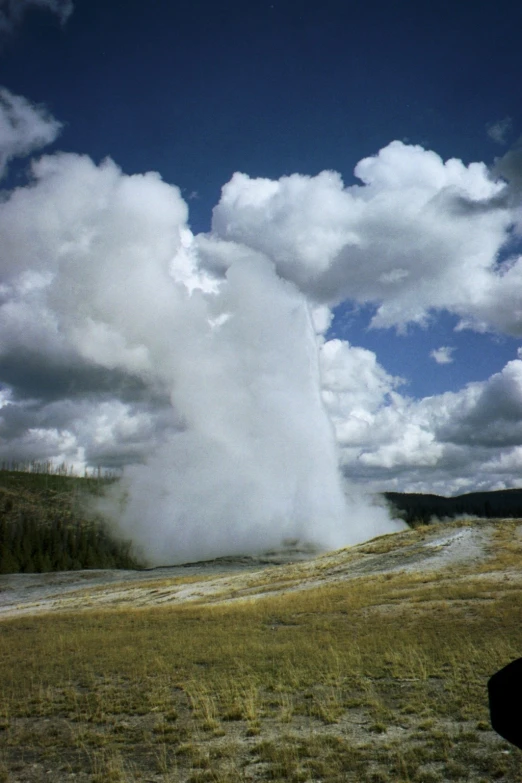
point(256, 462)
point(109, 279)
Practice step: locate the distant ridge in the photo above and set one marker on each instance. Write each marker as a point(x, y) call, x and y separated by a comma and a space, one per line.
point(416, 508)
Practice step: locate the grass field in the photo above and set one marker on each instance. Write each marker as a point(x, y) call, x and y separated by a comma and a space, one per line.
point(382, 678)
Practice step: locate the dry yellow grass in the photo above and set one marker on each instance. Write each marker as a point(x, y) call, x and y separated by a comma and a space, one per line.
point(380, 678)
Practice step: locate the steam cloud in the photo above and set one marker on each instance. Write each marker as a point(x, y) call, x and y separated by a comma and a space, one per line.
point(201, 362)
point(255, 462)
point(109, 279)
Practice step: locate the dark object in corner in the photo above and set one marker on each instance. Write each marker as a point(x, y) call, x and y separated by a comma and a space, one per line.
point(505, 702)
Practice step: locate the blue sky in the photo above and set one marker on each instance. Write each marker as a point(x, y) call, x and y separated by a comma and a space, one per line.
point(200, 90)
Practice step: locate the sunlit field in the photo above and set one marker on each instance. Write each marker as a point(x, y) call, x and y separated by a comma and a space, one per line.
point(381, 678)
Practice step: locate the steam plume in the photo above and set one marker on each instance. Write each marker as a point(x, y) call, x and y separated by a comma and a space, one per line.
point(110, 280)
point(256, 460)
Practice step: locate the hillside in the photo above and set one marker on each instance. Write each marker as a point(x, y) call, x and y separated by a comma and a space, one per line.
point(45, 525)
point(416, 508)
point(368, 665)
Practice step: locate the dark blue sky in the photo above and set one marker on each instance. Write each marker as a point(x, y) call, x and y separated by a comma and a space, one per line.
point(197, 90)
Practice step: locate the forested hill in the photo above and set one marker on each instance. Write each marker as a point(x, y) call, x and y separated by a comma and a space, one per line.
point(45, 526)
point(415, 508)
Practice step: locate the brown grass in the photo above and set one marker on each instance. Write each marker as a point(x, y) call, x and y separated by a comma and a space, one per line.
point(380, 678)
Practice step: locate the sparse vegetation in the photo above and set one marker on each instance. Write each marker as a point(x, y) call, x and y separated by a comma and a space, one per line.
point(382, 678)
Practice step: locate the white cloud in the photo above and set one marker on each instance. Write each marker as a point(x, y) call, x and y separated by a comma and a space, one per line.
point(443, 355)
point(12, 12)
point(376, 427)
point(418, 235)
point(23, 127)
point(107, 283)
point(87, 431)
point(322, 318)
point(125, 339)
point(353, 382)
point(43, 444)
point(500, 130)
point(103, 245)
point(450, 443)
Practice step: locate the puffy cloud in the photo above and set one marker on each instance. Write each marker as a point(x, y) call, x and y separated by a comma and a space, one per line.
point(488, 413)
point(84, 431)
point(12, 12)
point(380, 432)
point(418, 235)
point(443, 355)
point(203, 362)
point(212, 384)
point(509, 166)
point(452, 442)
point(89, 281)
point(353, 382)
point(23, 127)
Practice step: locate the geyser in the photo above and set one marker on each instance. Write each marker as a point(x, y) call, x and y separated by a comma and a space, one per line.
point(234, 450)
point(256, 461)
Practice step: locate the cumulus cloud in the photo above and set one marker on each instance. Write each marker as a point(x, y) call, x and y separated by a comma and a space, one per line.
point(509, 168)
point(100, 244)
point(212, 384)
point(380, 431)
point(443, 355)
point(418, 235)
point(500, 130)
point(12, 12)
point(203, 363)
point(354, 385)
point(449, 443)
point(23, 127)
point(84, 431)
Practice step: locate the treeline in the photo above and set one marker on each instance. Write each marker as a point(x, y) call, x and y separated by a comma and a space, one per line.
point(46, 467)
point(44, 526)
point(29, 546)
point(416, 508)
point(49, 468)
